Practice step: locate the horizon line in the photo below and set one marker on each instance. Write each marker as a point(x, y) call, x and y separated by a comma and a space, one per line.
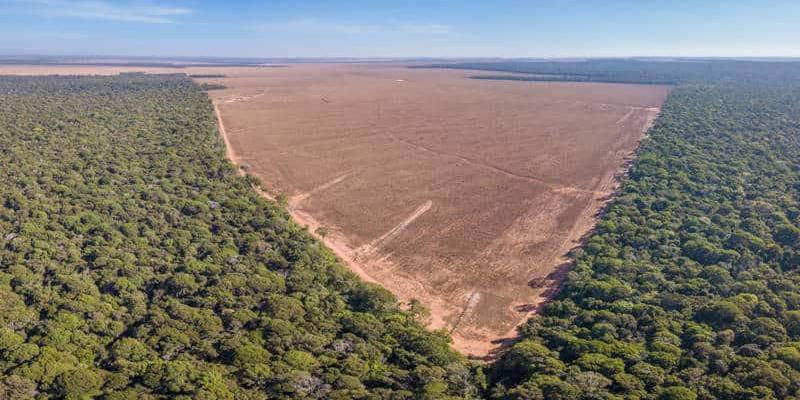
point(24, 56)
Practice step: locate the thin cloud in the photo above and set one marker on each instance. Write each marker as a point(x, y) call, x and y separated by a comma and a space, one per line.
point(56, 34)
point(312, 25)
point(427, 29)
point(150, 13)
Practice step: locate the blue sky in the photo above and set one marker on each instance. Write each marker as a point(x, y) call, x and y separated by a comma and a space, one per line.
point(376, 28)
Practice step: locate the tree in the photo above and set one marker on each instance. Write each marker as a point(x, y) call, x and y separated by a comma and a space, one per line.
point(677, 393)
point(321, 231)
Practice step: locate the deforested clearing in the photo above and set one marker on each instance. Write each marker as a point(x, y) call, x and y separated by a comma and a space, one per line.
point(463, 194)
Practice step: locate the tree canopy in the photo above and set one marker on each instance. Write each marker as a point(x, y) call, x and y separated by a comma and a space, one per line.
point(135, 263)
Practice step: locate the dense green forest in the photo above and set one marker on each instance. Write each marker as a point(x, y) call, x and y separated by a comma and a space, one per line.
point(667, 71)
point(136, 264)
point(690, 287)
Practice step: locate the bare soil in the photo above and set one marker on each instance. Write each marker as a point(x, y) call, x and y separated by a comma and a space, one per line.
point(464, 194)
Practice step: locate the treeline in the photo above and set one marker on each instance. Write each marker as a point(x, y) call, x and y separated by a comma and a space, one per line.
point(136, 264)
point(671, 72)
point(211, 86)
point(690, 286)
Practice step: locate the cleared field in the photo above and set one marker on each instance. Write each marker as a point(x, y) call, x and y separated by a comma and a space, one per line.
point(464, 194)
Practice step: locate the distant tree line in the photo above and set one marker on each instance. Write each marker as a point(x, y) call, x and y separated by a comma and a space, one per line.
point(671, 72)
point(211, 86)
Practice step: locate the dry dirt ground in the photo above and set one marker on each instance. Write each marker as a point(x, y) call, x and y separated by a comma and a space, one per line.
point(464, 194)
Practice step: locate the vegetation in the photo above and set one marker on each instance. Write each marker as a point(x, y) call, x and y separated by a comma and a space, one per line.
point(690, 287)
point(672, 72)
point(134, 263)
point(211, 86)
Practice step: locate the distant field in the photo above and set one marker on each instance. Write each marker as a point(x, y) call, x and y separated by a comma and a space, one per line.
point(464, 194)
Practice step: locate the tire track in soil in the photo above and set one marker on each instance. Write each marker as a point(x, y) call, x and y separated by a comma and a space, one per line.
point(373, 246)
point(295, 200)
point(496, 169)
point(472, 302)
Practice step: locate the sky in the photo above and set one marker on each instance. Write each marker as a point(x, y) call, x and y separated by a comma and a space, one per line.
point(401, 28)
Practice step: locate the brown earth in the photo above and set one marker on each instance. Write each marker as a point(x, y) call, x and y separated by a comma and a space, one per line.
point(464, 194)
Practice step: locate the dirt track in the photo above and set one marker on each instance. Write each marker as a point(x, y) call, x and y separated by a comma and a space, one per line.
point(464, 194)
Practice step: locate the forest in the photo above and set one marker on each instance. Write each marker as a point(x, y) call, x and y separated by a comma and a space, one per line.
point(663, 71)
point(135, 263)
point(690, 286)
